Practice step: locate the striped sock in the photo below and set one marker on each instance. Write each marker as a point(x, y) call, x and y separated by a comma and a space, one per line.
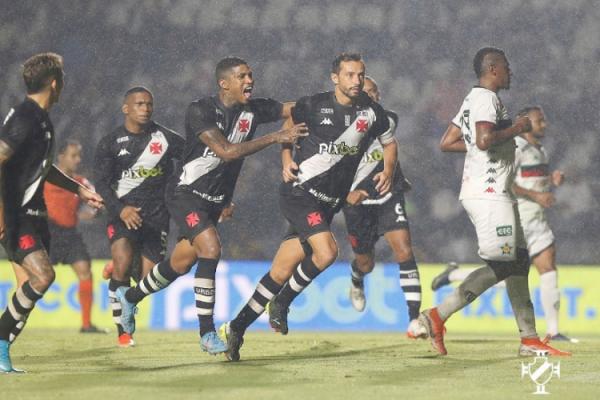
point(357, 275)
point(13, 319)
point(204, 289)
point(411, 286)
point(264, 292)
point(159, 277)
point(115, 305)
point(301, 278)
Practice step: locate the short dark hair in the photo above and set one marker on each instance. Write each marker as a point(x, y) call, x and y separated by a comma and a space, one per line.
point(40, 69)
point(343, 57)
point(64, 145)
point(480, 56)
point(226, 64)
point(137, 89)
point(526, 110)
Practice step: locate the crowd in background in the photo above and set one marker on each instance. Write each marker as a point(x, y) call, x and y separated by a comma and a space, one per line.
point(420, 53)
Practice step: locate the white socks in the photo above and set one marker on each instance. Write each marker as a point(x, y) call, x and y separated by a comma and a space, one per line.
point(550, 300)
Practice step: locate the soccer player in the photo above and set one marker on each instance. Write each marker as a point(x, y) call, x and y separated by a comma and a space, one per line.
point(133, 164)
point(26, 154)
point(317, 180)
point(483, 129)
point(219, 134)
point(532, 186)
point(369, 216)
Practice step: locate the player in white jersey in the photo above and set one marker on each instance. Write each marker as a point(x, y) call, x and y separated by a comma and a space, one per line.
point(532, 186)
point(484, 131)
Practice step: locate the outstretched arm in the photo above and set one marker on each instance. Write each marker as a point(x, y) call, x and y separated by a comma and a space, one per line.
point(452, 140)
point(385, 178)
point(60, 179)
point(228, 151)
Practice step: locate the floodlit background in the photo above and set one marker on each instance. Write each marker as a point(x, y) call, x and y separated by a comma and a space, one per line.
point(420, 52)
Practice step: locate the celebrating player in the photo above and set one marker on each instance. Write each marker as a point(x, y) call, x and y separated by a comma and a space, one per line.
point(316, 183)
point(219, 134)
point(369, 216)
point(532, 187)
point(26, 154)
point(133, 165)
point(482, 129)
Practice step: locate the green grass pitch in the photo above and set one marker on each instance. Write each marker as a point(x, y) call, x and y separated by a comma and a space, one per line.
point(63, 364)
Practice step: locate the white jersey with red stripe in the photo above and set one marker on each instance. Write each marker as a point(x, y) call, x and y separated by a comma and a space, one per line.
point(531, 163)
point(488, 174)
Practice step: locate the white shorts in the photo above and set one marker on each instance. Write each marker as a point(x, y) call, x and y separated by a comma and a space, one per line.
point(538, 234)
point(499, 231)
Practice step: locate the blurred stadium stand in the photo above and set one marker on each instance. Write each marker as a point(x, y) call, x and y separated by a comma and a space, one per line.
point(420, 52)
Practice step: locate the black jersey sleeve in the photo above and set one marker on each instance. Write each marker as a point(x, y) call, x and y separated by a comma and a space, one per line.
point(104, 164)
point(267, 110)
point(199, 118)
point(301, 110)
point(16, 130)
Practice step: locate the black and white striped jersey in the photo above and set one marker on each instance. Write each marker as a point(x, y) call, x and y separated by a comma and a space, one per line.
point(202, 172)
point(27, 130)
point(372, 163)
point(134, 168)
point(338, 138)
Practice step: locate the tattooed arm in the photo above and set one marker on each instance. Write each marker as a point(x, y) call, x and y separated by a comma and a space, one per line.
point(5, 154)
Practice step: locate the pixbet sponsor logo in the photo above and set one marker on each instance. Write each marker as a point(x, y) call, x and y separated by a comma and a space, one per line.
point(338, 149)
point(142, 172)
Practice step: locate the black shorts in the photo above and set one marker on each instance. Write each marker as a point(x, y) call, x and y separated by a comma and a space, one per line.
point(66, 246)
point(25, 234)
point(192, 215)
point(366, 223)
point(305, 214)
point(149, 241)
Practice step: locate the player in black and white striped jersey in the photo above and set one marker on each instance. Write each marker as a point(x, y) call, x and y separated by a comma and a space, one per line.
point(219, 134)
point(133, 165)
point(317, 179)
point(369, 216)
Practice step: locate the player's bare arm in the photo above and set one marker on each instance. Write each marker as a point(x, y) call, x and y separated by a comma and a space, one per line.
point(227, 212)
point(544, 199)
point(385, 178)
point(60, 179)
point(452, 140)
point(289, 167)
point(557, 178)
point(487, 135)
point(228, 151)
point(5, 154)
point(130, 216)
point(286, 111)
point(356, 197)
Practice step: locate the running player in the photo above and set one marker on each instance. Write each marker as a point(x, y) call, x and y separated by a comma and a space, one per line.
point(369, 216)
point(532, 187)
point(219, 134)
point(316, 183)
point(133, 165)
point(26, 154)
point(483, 129)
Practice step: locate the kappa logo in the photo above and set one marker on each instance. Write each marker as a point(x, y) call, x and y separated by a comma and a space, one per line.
point(314, 218)
point(489, 190)
point(26, 242)
point(492, 161)
point(326, 121)
point(123, 152)
point(192, 219)
point(362, 125)
point(490, 180)
point(244, 126)
point(491, 171)
point(156, 148)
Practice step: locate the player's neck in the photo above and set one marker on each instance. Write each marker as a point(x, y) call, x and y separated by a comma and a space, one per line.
point(227, 100)
point(134, 127)
point(341, 98)
point(531, 139)
point(42, 99)
point(489, 85)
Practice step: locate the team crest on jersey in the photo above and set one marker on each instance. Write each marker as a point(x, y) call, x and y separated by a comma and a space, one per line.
point(362, 125)
point(506, 249)
point(314, 218)
point(244, 125)
point(156, 148)
point(26, 242)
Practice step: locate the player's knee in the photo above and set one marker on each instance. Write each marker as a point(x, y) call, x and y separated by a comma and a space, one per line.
point(42, 280)
point(326, 256)
point(403, 253)
point(212, 251)
point(365, 262)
